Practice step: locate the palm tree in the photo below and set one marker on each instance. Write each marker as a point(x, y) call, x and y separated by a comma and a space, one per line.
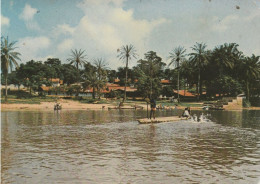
point(186, 71)
point(251, 70)
point(177, 55)
point(101, 69)
point(199, 59)
point(225, 56)
point(8, 59)
point(77, 58)
point(126, 52)
point(91, 80)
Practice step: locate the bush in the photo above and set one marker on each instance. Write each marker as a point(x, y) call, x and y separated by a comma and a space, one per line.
point(21, 94)
point(79, 98)
point(246, 103)
point(255, 101)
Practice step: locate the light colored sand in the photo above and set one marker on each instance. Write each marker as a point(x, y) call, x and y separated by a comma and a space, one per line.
point(74, 105)
point(66, 105)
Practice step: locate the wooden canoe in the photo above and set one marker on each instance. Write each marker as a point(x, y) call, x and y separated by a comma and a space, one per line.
point(160, 119)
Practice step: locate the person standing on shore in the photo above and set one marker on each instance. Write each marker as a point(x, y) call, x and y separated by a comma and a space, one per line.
point(153, 108)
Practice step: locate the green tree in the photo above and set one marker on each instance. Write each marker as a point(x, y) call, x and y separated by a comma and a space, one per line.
point(126, 53)
point(121, 75)
point(91, 81)
point(35, 74)
point(250, 69)
point(225, 85)
point(111, 74)
point(70, 74)
point(150, 73)
point(199, 59)
point(147, 87)
point(101, 70)
point(77, 58)
point(13, 78)
point(8, 59)
point(225, 56)
point(55, 63)
point(177, 56)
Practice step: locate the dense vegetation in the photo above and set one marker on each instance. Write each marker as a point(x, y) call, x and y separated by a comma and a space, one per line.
point(222, 71)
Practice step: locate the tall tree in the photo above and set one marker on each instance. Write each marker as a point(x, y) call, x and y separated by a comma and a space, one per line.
point(225, 56)
point(91, 80)
point(101, 70)
point(199, 59)
point(78, 58)
point(177, 55)
point(8, 59)
point(251, 70)
point(70, 74)
point(34, 74)
point(55, 63)
point(149, 72)
point(187, 73)
point(154, 66)
point(126, 53)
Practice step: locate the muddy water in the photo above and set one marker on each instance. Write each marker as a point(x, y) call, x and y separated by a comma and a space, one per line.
point(111, 147)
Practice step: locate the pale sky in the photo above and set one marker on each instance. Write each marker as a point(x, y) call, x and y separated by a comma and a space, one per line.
point(51, 28)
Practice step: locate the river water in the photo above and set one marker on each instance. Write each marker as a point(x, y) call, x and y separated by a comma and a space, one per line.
point(110, 146)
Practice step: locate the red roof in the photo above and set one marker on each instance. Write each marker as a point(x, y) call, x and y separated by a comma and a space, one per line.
point(55, 80)
point(165, 81)
point(117, 80)
point(111, 85)
point(45, 88)
point(184, 93)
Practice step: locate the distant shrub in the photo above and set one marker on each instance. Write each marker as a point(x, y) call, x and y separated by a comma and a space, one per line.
point(246, 103)
point(21, 94)
point(255, 101)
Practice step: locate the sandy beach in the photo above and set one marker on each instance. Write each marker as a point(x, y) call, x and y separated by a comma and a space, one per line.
point(66, 105)
point(74, 105)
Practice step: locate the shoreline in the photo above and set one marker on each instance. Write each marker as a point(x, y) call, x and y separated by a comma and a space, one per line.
point(74, 105)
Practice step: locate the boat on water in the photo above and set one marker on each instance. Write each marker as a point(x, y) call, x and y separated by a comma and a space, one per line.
point(126, 107)
point(161, 119)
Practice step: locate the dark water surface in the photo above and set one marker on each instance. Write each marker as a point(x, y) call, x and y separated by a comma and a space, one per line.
point(111, 147)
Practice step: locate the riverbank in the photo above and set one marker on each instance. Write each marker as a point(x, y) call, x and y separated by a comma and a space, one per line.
point(66, 105)
point(75, 105)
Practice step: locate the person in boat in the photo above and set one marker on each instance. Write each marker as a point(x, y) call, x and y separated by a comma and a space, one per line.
point(57, 106)
point(153, 108)
point(189, 111)
point(186, 113)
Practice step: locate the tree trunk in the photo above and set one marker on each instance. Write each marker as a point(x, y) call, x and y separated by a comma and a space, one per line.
point(198, 86)
point(125, 78)
point(247, 90)
point(178, 85)
point(93, 93)
point(184, 88)
point(6, 88)
point(151, 92)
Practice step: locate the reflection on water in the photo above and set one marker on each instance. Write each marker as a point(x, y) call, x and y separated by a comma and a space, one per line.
point(111, 147)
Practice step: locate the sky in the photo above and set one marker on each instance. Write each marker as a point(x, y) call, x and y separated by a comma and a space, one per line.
point(51, 28)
